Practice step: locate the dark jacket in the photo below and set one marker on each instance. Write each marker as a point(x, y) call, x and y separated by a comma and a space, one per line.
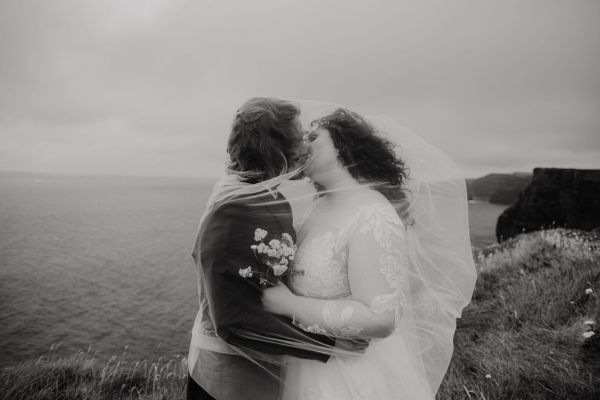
point(235, 302)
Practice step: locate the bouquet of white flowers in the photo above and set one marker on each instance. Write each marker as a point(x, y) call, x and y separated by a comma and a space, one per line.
point(277, 254)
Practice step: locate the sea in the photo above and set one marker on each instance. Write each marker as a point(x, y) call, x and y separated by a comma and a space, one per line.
point(103, 264)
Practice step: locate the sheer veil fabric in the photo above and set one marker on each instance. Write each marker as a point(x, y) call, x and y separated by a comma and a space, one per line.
point(439, 273)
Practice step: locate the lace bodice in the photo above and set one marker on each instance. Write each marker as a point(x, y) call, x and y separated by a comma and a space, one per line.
point(321, 265)
point(320, 268)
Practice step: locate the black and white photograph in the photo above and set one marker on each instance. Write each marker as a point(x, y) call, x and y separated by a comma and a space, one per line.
point(299, 200)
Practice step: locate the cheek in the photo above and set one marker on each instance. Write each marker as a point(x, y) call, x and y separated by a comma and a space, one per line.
point(322, 156)
point(315, 154)
point(313, 164)
point(327, 153)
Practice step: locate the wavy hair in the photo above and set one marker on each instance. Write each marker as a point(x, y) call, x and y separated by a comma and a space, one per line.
point(263, 138)
point(367, 156)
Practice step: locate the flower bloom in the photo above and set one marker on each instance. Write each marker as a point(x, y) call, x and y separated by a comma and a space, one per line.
point(245, 272)
point(287, 250)
point(588, 334)
point(589, 322)
point(488, 376)
point(274, 253)
point(279, 269)
point(287, 238)
point(589, 291)
point(259, 234)
point(262, 248)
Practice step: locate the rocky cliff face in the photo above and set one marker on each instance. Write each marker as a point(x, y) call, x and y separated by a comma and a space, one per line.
point(556, 197)
point(498, 188)
point(507, 195)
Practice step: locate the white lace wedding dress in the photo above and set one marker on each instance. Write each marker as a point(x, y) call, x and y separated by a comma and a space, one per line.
point(386, 370)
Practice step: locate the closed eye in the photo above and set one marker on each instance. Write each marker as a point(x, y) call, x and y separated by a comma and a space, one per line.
point(312, 136)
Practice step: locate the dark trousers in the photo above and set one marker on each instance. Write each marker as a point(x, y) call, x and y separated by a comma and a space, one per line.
point(195, 392)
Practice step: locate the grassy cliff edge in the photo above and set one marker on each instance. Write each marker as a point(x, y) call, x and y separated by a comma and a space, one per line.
point(530, 332)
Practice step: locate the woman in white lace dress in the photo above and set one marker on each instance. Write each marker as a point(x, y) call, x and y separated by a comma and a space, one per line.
point(350, 276)
point(383, 256)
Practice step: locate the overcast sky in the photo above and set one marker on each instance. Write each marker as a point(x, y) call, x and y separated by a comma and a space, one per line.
point(149, 87)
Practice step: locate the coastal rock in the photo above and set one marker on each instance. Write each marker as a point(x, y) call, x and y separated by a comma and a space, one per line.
point(498, 188)
point(556, 197)
point(508, 194)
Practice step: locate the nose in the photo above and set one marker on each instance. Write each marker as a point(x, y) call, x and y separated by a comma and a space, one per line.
point(305, 138)
point(304, 148)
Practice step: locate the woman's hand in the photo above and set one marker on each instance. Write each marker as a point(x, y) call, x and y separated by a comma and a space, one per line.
point(279, 300)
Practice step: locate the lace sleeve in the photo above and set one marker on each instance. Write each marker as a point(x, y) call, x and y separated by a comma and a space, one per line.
point(376, 265)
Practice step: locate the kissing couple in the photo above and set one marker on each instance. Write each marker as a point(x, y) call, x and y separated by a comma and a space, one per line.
point(333, 259)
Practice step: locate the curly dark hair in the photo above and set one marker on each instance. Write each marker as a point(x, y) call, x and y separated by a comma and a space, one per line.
point(367, 156)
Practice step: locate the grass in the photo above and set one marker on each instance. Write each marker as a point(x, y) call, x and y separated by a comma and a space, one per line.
point(524, 334)
point(81, 377)
point(530, 332)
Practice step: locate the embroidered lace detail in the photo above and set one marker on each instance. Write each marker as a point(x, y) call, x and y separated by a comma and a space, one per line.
point(336, 320)
point(319, 271)
point(384, 303)
point(321, 266)
point(311, 328)
point(383, 222)
point(391, 266)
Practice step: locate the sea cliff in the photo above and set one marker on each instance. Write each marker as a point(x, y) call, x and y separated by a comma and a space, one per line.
point(498, 188)
point(568, 198)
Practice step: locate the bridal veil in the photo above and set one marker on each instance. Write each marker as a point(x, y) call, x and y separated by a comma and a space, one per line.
point(441, 273)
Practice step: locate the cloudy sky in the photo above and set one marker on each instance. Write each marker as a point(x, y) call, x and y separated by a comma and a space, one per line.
point(149, 87)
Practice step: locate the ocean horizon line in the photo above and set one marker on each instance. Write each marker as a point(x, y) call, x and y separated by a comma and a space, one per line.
point(92, 175)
